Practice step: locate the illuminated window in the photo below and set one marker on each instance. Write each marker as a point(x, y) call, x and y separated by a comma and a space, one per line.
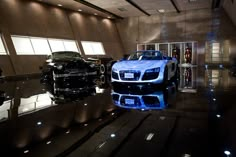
point(56, 45)
point(215, 53)
point(62, 45)
point(4, 110)
point(2, 48)
point(22, 45)
point(70, 45)
point(93, 48)
point(40, 46)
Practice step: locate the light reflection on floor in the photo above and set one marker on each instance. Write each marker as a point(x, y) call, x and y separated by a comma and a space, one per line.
point(32, 113)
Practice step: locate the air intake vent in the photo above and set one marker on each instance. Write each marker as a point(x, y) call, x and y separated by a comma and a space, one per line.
point(122, 9)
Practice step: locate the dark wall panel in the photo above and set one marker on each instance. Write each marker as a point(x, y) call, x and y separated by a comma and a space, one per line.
point(31, 18)
point(196, 25)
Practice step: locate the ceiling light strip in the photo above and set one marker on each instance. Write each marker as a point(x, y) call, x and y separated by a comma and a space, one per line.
point(97, 8)
point(138, 7)
point(176, 8)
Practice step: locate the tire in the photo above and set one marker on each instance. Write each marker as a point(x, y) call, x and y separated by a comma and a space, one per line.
point(165, 78)
point(102, 69)
point(102, 79)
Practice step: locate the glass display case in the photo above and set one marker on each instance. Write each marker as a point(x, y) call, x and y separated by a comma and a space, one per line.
point(188, 79)
point(184, 52)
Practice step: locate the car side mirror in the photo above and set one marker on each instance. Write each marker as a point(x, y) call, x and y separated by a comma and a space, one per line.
point(48, 57)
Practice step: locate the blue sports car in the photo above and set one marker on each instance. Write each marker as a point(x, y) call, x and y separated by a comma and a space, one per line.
point(147, 66)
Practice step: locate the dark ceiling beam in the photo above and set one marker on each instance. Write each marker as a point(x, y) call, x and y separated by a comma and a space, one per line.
point(176, 8)
point(138, 7)
point(215, 4)
point(98, 8)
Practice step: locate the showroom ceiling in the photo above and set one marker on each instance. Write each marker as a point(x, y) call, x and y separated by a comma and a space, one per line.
point(128, 8)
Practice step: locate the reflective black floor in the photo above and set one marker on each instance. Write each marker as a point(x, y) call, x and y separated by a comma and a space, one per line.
point(194, 117)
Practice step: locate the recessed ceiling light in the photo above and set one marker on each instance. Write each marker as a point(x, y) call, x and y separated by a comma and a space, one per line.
point(80, 10)
point(59, 5)
point(26, 151)
point(161, 10)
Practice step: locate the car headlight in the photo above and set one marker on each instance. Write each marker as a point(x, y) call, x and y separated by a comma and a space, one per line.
point(92, 65)
point(59, 67)
point(153, 70)
point(114, 69)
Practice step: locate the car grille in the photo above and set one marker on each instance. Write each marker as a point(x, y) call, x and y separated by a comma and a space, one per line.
point(136, 75)
point(151, 101)
point(130, 101)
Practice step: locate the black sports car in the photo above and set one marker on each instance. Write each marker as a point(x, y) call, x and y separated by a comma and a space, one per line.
point(66, 65)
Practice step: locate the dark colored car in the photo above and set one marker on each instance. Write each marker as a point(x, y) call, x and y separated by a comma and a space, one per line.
point(66, 65)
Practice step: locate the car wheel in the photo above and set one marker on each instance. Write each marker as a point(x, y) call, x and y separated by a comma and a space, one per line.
point(102, 79)
point(102, 69)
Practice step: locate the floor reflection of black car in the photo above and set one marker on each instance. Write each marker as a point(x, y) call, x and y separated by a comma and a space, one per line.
point(156, 100)
point(66, 65)
point(69, 90)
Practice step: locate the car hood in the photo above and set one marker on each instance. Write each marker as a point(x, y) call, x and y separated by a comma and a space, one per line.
point(138, 65)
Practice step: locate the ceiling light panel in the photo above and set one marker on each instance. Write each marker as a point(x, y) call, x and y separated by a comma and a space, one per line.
point(74, 6)
point(118, 7)
point(151, 5)
point(193, 4)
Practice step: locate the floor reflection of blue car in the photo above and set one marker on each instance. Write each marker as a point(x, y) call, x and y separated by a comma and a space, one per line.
point(150, 101)
point(155, 100)
point(148, 67)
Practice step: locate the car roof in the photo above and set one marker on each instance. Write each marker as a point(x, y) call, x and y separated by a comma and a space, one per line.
point(64, 52)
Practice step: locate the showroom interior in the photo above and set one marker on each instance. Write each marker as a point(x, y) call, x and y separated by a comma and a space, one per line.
point(50, 109)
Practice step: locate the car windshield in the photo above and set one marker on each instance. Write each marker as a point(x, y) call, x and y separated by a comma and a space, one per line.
point(66, 55)
point(146, 55)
